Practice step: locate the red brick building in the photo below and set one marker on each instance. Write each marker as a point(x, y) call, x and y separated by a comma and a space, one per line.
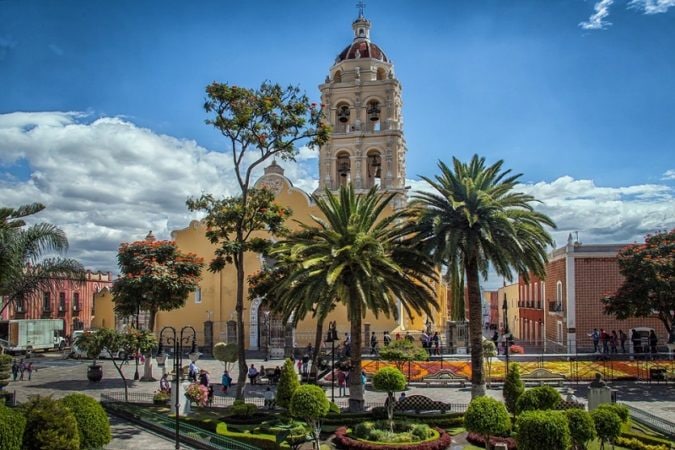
point(531, 310)
point(67, 300)
point(578, 276)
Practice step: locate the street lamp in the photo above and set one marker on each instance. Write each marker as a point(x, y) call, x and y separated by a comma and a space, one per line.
point(332, 337)
point(268, 334)
point(177, 341)
point(505, 307)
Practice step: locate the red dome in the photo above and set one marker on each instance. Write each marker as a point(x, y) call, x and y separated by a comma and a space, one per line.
point(366, 49)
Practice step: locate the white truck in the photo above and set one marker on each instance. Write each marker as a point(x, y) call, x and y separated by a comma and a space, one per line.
point(25, 336)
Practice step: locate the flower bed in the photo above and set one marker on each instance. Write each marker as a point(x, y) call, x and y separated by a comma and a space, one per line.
point(344, 441)
point(478, 440)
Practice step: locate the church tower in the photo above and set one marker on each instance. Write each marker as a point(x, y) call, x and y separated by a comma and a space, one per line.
point(361, 99)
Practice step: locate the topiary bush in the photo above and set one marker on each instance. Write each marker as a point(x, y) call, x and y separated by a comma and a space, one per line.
point(309, 402)
point(12, 425)
point(92, 421)
point(607, 425)
point(49, 425)
point(513, 388)
point(538, 398)
point(487, 417)
point(288, 383)
point(543, 429)
point(582, 428)
point(5, 370)
point(241, 409)
point(389, 379)
point(620, 410)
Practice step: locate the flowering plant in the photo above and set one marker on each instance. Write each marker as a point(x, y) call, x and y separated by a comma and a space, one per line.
point(197, 393)
point(161, 396)
point(517, 349)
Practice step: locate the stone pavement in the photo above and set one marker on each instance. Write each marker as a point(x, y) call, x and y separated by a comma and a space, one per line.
point(58, 377)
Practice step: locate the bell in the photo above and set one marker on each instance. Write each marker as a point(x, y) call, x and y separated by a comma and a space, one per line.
point(374, 113)
point(343, 114)
point(343, 118)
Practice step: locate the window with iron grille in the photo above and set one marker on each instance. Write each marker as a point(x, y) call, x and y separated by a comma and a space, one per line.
point(46, 301)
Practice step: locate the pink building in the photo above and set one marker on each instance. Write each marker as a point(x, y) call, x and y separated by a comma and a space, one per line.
point(66, 299)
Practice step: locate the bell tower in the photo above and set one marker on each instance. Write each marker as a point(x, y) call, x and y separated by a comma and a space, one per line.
point(361, 98)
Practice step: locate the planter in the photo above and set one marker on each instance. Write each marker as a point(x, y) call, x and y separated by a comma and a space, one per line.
point(441, 443)
point(95, 373)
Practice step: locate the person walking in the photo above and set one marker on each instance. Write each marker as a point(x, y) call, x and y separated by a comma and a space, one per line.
point(653, 341)
point(635, 339)
point(193, 371)
point(226, 381)
point(29, 369)
point(373, 344)
point(613, 341)
point(386, 339)
point(623, 338)
point(252, 374)
point(22, 369)
point(436, 342)
point(604, 337)
point(15, 370)
point(595, 336)
point(342, 383)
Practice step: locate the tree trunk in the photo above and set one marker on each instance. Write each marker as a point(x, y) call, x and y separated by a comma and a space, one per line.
point(151, 320)
point(356, 403)
point(241, 342)
point(475, 329)
point(314, 371)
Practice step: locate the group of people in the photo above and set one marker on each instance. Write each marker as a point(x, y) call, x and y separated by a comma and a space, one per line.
point(254, 374)
point(21, 369)
point(609, 342)
point(342, 377)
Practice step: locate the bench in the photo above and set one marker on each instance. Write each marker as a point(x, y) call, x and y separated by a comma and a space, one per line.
point(420, 403)
point(543, 376)
point(444, 377)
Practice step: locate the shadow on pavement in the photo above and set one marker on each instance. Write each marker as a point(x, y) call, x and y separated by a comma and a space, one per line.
point(82, 385)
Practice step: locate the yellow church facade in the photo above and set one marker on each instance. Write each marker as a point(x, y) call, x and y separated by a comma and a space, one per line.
point(361, 98)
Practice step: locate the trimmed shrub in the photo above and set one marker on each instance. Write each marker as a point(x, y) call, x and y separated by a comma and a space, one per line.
point(333, 408)
point(288, 383)
point(5, 370)
point(513, 388)
point(12, 425)
point(607, 424)
point(92, 421)
point(487, 417)
point(636, 444)
point(261, 441)
point(310, 403)
point(478, 440)
point(389, 379)
point(620, 410)
point(543, 429)
point(582, 428)
point(241, 409)
point(403, 432)
point(538, 398)
point(49, 424)
point(344, 441)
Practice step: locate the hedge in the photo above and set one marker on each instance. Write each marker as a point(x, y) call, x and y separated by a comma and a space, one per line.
point(538, 398)
point(636, 444)
point(487, 417)
point(543, 429)
point(259, 440)
point(49, 424)
point(12, 425)
point(344, 441)
point(92, 421)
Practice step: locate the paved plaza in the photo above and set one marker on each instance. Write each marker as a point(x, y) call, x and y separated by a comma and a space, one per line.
point(59, 377)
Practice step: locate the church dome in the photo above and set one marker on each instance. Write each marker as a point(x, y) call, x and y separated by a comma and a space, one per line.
point(362, 47)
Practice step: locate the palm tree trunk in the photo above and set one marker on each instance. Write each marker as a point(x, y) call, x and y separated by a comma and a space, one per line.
point(241, 343)
point(475, 329)
point(314, 371)
point(356, 403)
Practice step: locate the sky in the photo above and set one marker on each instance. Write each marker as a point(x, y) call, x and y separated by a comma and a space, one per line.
point(102, 120)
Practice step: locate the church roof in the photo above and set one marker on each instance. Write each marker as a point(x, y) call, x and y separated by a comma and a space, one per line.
point(362, 49)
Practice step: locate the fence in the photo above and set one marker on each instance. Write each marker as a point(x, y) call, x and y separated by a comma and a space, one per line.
point(654, 422)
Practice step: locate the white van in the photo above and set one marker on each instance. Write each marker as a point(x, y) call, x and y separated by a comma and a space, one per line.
point(78, 353)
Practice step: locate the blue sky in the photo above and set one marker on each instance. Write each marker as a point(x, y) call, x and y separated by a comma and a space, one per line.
point(577, 95)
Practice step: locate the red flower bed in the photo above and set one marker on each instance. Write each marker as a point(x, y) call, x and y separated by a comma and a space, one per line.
point(477, 439)
point(344, 441)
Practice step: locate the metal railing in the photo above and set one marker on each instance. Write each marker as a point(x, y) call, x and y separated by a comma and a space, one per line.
point(654, 422)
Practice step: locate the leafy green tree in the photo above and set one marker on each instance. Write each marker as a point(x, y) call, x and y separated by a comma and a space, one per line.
point(607, 425)
point(582, 428)
point(309, 402)
point(226, 353)
point(476, 219)
point(538, 398)
point(403, 351)
point(154, 276)
point(649, 280)
point(488, 417)
point(259, 124)
point(389, 380)
point(288, 383)
point(513, 388)
point(363, 259)
point(49, 425)
point(24, 267)
point(92, 420)
point(543, 429)
point(12, 425)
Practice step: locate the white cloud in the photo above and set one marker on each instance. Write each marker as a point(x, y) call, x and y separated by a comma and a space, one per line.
point(668, 175)
point(652, 6)
point(110, 181)
point(597, 20)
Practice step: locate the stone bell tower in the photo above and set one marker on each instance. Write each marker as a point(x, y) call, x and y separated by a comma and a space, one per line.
point(361, 98)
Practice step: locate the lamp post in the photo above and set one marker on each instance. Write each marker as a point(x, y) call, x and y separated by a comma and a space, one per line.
point(505, 307)
point(177, 341)
point(332, 337)
point(267, 330)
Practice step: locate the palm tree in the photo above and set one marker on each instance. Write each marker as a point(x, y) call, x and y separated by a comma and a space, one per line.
point(474, 217)
point(360, 256)
point(23, 268)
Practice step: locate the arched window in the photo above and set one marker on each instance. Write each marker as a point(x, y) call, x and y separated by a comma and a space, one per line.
point(337, 77)
point(381, 74)
point(343, 166)
point(558, 292)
